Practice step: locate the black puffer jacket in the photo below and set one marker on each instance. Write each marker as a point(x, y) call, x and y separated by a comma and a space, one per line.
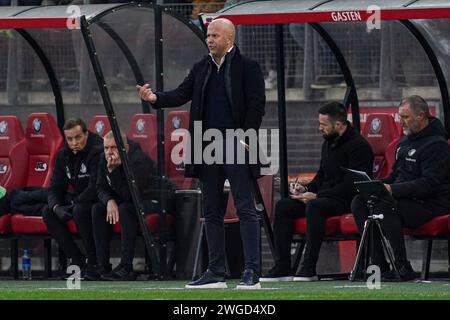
point(350, 150)
point(78, 170)
point(28, 200)
point(419, 168)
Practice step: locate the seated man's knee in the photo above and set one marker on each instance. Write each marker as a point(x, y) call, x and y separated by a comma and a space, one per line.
point(279, 215)
point(287, 210)
point(81, 210)
point(358, 206)
point(78, 209)
point(282, 207)
point(126, 208)
point(315, 208)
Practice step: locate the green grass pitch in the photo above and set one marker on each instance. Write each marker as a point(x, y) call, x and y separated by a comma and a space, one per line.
point(174, 290)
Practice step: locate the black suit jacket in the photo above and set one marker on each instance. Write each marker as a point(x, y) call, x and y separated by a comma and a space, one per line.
point(244, 84)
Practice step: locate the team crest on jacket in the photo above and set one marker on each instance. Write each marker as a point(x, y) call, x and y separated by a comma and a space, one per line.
point(3, 127)
point(411, 152)
point(83, 168)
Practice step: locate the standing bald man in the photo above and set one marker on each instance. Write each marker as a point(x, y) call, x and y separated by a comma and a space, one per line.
point(226, 90)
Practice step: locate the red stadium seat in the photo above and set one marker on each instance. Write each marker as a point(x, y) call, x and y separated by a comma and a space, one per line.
point(143, 130)
point(100, 125)
point(5, 224)
point(176, 120)
point(28, 224)
point(72, 226)
point(43, 140)
point(35, 225)
point(12, 148)
point(433, 228)
point(379, 131)
point(348, 225)
point(331, 226)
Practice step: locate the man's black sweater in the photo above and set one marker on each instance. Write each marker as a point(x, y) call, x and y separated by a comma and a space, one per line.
point(350, 150)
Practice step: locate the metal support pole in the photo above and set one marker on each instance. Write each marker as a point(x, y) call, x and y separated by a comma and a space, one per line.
point(308, 62)
point(352, 97)
point(281, 110)
point(160, 135)
point(149, 241)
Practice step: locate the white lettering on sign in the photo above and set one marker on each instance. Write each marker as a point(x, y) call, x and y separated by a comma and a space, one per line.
point(345, 16)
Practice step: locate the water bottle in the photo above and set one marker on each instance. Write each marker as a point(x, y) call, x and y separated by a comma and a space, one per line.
point(26, 265)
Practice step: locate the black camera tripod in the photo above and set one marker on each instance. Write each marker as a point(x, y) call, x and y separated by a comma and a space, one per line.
point(371, 225)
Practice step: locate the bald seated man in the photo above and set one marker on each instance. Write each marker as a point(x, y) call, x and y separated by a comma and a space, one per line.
point(226, 90)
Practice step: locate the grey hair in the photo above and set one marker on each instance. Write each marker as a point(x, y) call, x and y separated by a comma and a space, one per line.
point(110, 135)
point(416, 104)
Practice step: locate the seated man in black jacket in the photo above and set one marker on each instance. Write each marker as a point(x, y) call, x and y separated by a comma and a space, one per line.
point(116, 205)
point(328, 194)
point(76, 166)
point(419, 183)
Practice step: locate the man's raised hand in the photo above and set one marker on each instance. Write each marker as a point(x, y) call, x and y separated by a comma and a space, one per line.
point(146, 93)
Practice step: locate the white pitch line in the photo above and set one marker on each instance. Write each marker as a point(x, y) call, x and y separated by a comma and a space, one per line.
point(181, 288)
point(350, 286)
point(62, 288)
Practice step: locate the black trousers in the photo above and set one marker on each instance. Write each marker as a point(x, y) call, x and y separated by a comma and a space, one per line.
point(59, 230)
point(129, 229)
point(409, 213)
point(241, 183)
point(4, 206)
point(316, 212)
